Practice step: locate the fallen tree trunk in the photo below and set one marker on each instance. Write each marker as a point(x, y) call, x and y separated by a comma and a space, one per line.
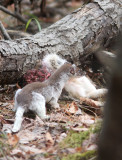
point(80, 33)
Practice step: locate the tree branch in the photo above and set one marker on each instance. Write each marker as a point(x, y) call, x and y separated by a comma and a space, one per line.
point(3, 31)
point(15, 15)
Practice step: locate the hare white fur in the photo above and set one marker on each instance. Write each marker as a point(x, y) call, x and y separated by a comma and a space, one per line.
point(77, 86)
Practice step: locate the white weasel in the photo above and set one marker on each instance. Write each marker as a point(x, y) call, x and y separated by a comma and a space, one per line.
point(34, 95)
point(78, 86)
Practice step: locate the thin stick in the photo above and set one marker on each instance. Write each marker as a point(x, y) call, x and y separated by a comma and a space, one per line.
point(4, 32)
point(89, 110)
point(16, 15)
point(17, 33)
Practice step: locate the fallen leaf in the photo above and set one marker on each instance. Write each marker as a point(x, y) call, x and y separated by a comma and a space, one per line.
point(4, 104)
point(2, 120)
point(78, 149)
point(78, 112)
point(26, 136)
point(12, 139)
point(70, 150)
point(61, 137)
point(91, 102)
point(58, 117)
point(49, 139)
point(18, 153)
point(32, 150)
point(87, 119)
point(79, 129)
point(71, 108)
point(92, 147)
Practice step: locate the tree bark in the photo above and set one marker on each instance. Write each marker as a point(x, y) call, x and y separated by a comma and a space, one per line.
point(110, 145)
point(78, 34)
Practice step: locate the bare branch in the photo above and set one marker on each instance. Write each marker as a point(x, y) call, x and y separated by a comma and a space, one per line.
point(17, 34)
point(3, 31)
point(15, 15)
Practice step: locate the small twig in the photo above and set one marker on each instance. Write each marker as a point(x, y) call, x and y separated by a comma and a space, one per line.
point(91, 102)
point(16, 15)
point(4, 32)
point(68, 98)
point(16, 5)
point(93, 158)
point(17, 33)
point(89, 110)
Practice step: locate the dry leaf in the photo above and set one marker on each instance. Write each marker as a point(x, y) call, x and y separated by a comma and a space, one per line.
point(78, 149)
point(2, 120)
point(91, 102)
point(49, 139)
point(58, 117)
point(26, 136)
point(32, 150)
point(78, 112)
point(79, 129)
point(12, 139)
point(92, 147)
point(61, 137)
point(18, 153)
point(7, 128)
point(72, 108)
point(87, 119)
point(70, 150)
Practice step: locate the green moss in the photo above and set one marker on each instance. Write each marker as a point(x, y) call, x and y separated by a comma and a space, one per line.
point(96, 127)
point(74, 139)
point(5, 148)
point(81, 156)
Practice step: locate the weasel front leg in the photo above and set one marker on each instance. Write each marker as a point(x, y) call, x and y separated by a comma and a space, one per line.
point(38, 105)
point(54, 103)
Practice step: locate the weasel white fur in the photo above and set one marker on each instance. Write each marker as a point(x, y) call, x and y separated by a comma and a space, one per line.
point(35, 95)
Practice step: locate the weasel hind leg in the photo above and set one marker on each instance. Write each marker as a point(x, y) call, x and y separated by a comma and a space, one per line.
point(54, 103)
point(18, 119)
point(16, 104)
point(38, 105)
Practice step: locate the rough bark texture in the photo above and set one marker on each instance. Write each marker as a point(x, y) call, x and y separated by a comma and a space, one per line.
point(78, 34)
point(110, 146)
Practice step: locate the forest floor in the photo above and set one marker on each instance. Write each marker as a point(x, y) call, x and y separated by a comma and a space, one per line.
point(72, 131)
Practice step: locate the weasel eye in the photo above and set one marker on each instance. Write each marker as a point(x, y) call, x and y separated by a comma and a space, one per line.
point(72, 71)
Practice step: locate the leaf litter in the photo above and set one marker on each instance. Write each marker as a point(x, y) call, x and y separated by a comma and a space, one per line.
point(41, 139)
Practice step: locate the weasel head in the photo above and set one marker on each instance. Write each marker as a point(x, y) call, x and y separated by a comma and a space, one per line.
point(53, 61)
point(73, 70)
point(70, 69)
